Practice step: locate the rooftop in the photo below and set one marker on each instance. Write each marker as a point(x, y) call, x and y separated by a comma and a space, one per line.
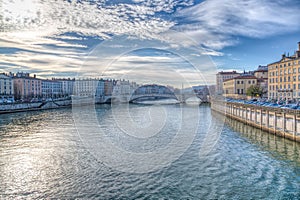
point(231, 72)
point(242, 77)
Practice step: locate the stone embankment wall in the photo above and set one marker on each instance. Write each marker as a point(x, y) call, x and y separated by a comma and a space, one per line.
point(19, 107)
point(282, 122)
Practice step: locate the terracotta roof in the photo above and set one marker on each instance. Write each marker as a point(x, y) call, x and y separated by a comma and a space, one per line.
point(241, 77)
point(232, 72)
point(245, 77)
point(261, 70)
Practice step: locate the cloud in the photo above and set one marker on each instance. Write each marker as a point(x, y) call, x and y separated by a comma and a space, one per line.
point(152, 66)
point(57, 17)
point(58, 36)
point(214, 23)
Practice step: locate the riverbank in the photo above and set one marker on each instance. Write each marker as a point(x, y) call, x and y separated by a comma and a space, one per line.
point(23, 107)
point(278, 121)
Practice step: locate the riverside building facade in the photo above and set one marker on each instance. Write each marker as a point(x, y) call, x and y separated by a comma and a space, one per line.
point(6, 87)
point(221, 77)
point(237, 86)
point(26, 87)
point(284, 78)
point(51, 88)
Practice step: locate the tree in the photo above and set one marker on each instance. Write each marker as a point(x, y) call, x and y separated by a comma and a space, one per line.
point(255, 91)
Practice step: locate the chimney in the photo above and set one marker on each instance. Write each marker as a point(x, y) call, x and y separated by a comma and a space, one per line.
point(298, 52)
point(34, 75)
point(283, 56)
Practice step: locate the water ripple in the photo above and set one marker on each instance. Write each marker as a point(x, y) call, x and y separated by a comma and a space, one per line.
point(43, 157)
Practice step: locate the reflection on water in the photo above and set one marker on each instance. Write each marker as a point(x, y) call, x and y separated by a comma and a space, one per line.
point(276, 146)
point(158, 102)
point(43, 157)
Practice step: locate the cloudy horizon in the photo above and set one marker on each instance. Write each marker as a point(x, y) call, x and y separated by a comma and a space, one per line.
point(67, 38)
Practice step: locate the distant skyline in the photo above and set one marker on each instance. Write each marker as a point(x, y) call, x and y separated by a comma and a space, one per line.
point(163, 41)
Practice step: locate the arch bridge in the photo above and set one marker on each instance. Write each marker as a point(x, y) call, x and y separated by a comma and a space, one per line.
point(154, 92)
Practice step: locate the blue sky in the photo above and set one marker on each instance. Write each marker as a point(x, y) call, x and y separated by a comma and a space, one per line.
point(144, 40)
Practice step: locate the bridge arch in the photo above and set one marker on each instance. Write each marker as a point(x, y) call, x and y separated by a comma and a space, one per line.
point(153, 91)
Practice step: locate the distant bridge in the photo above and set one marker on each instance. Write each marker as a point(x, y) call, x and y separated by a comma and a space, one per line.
point(152, 96)
point(150, 92)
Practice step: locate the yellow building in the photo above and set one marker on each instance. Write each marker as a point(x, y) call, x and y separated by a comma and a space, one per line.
point(237, 87)
point(284, 78)
point(221, 77)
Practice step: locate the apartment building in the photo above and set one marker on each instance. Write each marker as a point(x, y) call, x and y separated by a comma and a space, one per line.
point(221, 77)
point(237, 87)
point(6, 87)
point(67, 85)
point(26, 87)
point(284, 77)
point(262, 78)
point(51, 88)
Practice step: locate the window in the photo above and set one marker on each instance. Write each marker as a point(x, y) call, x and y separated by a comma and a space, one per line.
point(238, 82)
point(294, 78)
point(294, 70)
point(238, 91)
point(253, 82)
point(242, 82)
point(294, 86)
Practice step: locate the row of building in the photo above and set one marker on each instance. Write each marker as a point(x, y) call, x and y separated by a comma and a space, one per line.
point(23, 86)
point(279, 80)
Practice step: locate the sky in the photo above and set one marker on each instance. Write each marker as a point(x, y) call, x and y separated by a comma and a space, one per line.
point(148, 41)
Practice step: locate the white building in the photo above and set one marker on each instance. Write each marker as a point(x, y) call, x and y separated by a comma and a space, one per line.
point(122, 88)
point(6, 87)
point(67, 85)
point(85, 87)
point(51, 88)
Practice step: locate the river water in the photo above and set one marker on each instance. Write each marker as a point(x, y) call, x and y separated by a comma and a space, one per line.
point(154, 152)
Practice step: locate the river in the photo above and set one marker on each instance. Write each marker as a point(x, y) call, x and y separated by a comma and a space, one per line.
point(142, 152)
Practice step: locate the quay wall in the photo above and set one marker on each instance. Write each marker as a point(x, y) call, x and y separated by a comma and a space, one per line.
point(278, 121)
point(21, 107)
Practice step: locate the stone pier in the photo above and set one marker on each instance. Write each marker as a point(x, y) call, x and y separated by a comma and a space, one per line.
point(278, 121)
